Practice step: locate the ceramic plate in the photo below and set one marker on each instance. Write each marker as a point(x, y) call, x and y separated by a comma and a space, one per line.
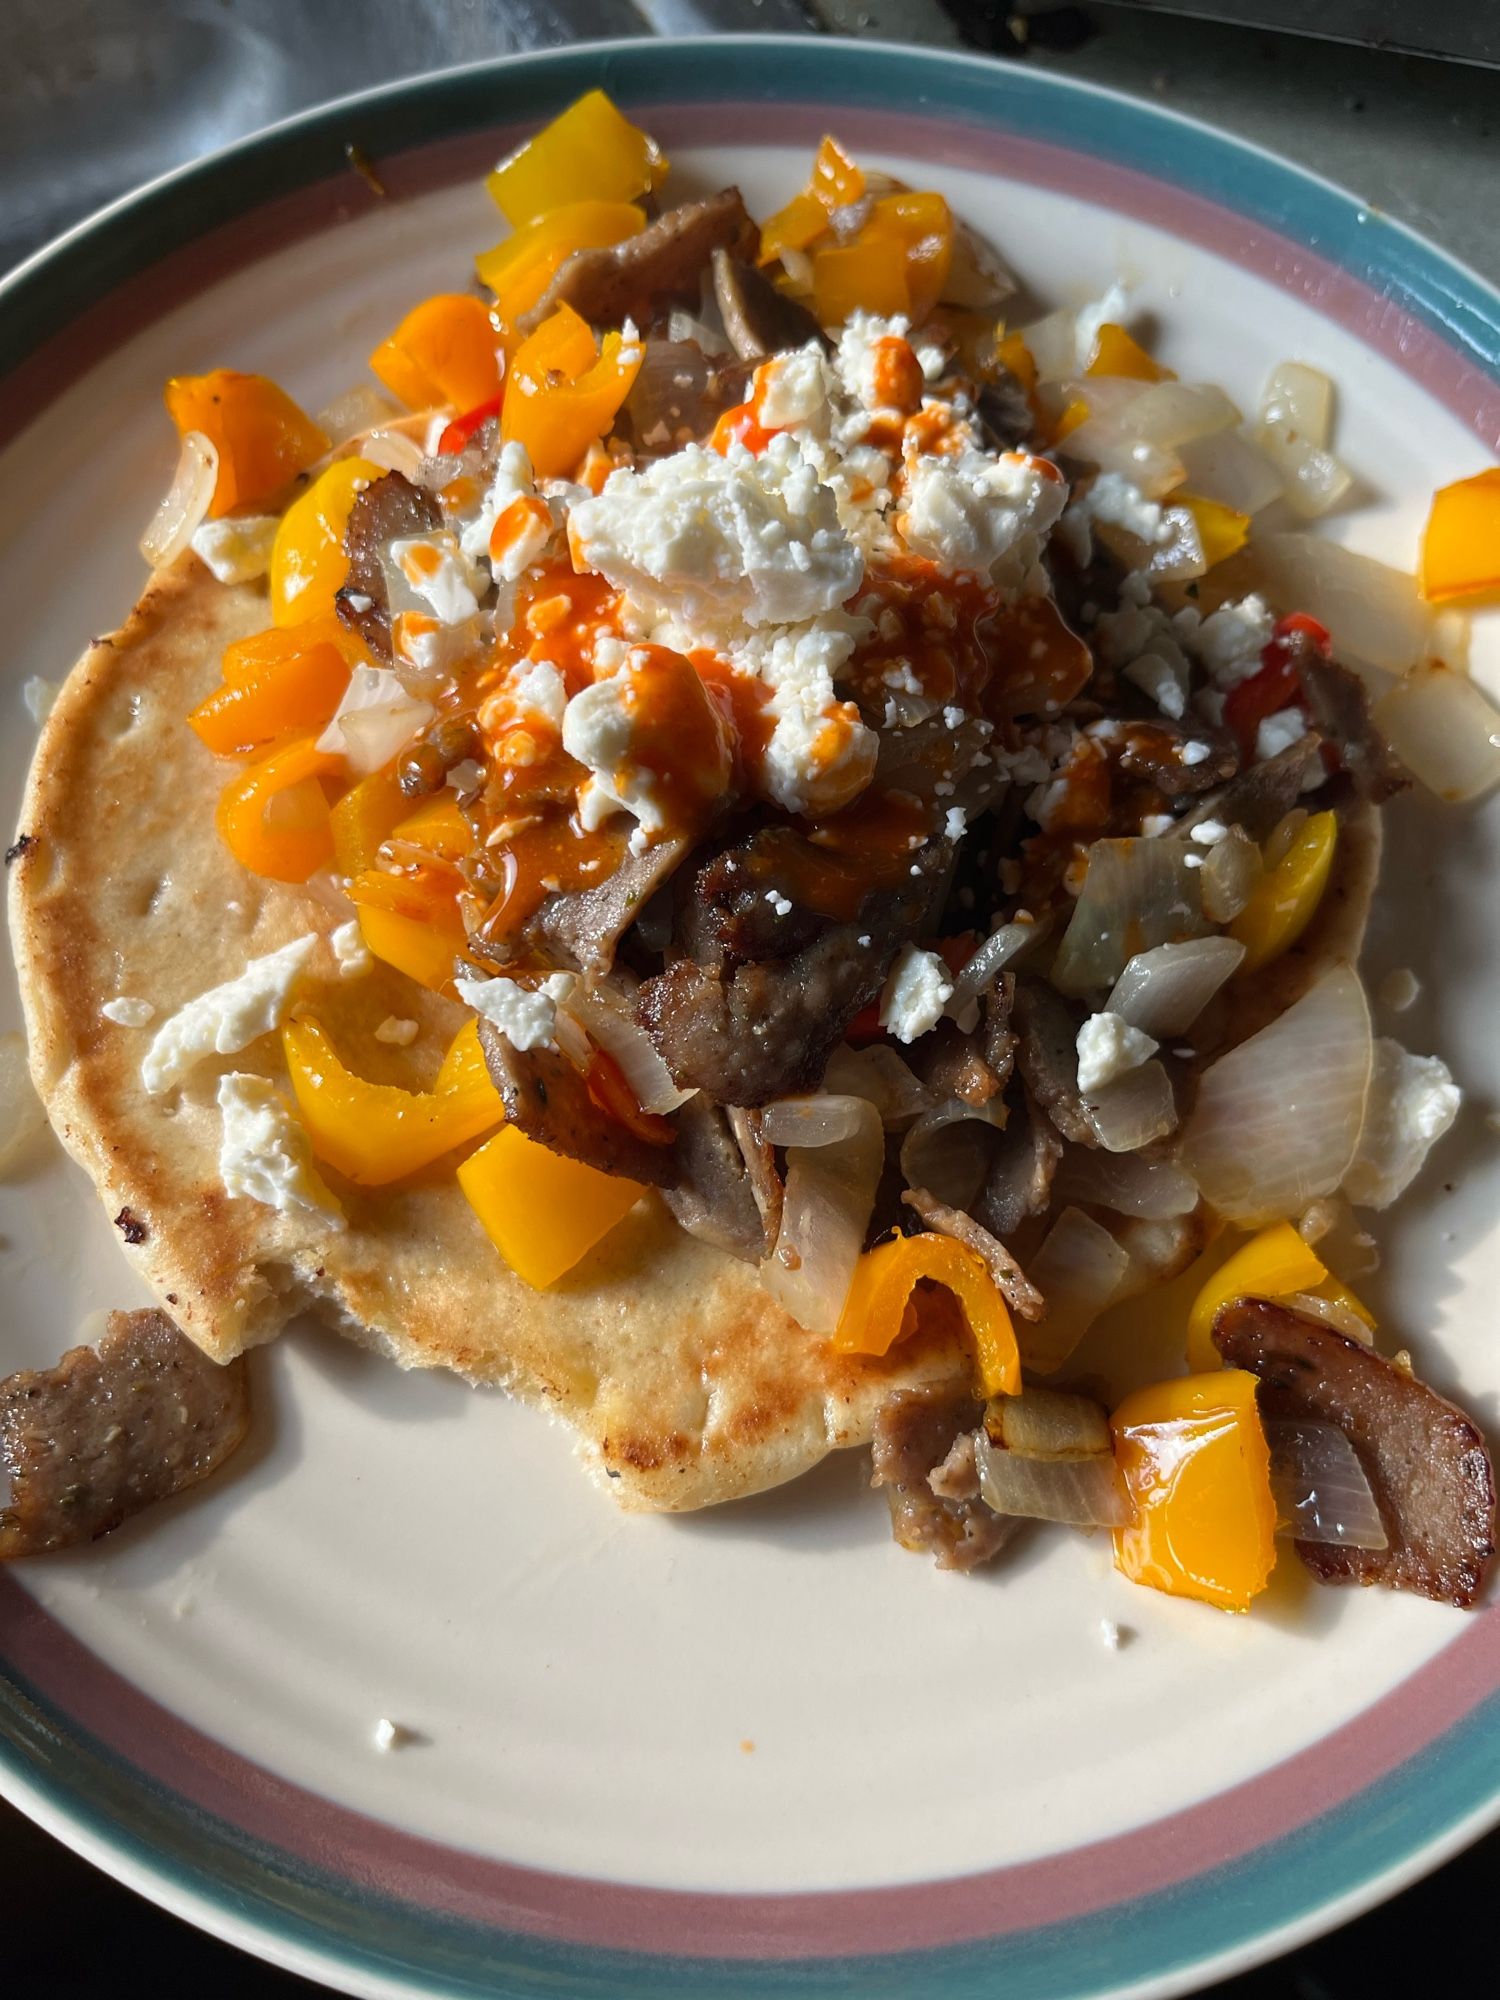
point(758, 1751)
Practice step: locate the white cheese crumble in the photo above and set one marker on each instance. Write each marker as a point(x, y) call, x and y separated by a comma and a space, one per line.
point(39, 696)
point(782, 905)
point(237, 550)
point(709, 538)
point(128, 1013)
point(820, 755)
point(1194, 752)
point(437, 572)
point(388, 1735)
point(264, 1154)
point(917, 989)
point(599, 730)
point(792, 391)
point(400, 1034)
point(1120, 502)
point(525, 1015)
point(1229, 641)
point(512, 481)
point(857, 359)
point(969, 511)
point(1163, 680)
point(1110, 309)
point(1108, 1048)
point(350, 952)
point(1209, 832)
point(1155, 824)
point(375, 716)
point(228, 1017)
point(1279, 732)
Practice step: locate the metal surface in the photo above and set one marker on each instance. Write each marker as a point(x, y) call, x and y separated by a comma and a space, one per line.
point(1463, 30)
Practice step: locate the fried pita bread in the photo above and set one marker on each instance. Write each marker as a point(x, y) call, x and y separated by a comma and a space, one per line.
point(686, 1382)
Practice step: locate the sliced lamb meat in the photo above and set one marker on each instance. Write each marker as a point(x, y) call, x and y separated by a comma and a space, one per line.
point(759, 320)
point(548, 1099)
point(1019, 1184)
point(1006, 418)
point(1010, 1280)
point(1340, 705)
point(1263, 794)
point(1047, 1057)
point(766, 1184)
point(639, 277)
point(111, 1429)
point(387, 508)
point(713, 1191)
point(953, 1064)
point(1426, 1461)
point(1157, 753)
point(916, 1433)
point(581, 931)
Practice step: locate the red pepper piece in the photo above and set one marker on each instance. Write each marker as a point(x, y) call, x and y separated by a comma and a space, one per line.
point(457, 434)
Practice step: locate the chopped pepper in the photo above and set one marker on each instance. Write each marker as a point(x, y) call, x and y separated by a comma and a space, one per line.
point(1117, 353)
point(520, 269)
point(1193, 1456)
point(590, 152)
point(308, 564)
point(290, 678)
point(274, 817)
point(261, 436)
point(875, 1313)
point(364, 819)
point(413, 921)
point(566, 391)
point(542, 1212)
point(1461, 544)
point(1269, 1266)
point(1282, 904)
point(446, 350)
point(1222, 530)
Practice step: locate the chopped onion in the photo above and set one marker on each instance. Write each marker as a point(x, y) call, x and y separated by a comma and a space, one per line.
point(979, 975)
point(358, 410)
point(1180, 556)
point(879, 1074)
point(690, 329)
point(1321, 1490)
point(1081, 1492)
point(978, 276)
point(822, 1120)
point(21, 1113)
point(1102, 440)
point(375, 719)
point(1078, 1271)
point(1164, 990)
point(1413, 1101)
point(1445, 730)
point(1136, 894)
point(1278, 1119)
point(1011, 1281)
point(1228, 468)
point(1286, 830)
point(1048, 1423)
point(1333, 1312)
point(1374, 612)
point(394, 450)
point(1300, 399)
point(1172, 414)
point(1133, 1110)
point(669, 399)
point(1052, 344)
point(1156, 1189)
point(632, 1048)
point(1231, 869)
point(950, 1149)
point(185, 506)
point(830, 1192)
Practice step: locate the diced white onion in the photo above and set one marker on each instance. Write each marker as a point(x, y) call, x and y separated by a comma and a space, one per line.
point(1333, 1312)
point(186, 503)
point(1278, 1119)
point(394, 450)
point(997, 951)
point(1125, 1182)
point(1300, 399)
point(1180, 555)
point(1373, 611)
point(830, 1192)
point(375, 719)
point(1445, 730)
point(21, 1113)
point(1312, 480)
point(1231, 869)
point(1413, 1101)
point(632, 1048)
point(358, 410)
point(1099, 440)
point(879, 1074)
point(1048, 1423)
point(1164, 990)
point(1133, 1110)
point(1321, 1490)
point(1080, 1492)
point(1173, 414)
point(978, 276)
point(1228, 468)
point(949, 1149)
point(1078, 1271)
point(1052, 343)
point(1136, 894)
point(813, 1121)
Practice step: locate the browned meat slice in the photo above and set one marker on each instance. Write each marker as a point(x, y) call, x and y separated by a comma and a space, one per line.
point(639, 277)
point(1019, 1184)
point(953, 1064)
point(1047, 1057)
point(548, 1100)
point(711, 1191)
point(915, 1437)
point(1005, 415)
point(758, 319)
point(1010, 1280)
point(679, 394)
point(1426, 1461)
point(387, 508)
point(766, 1184)
point(581, 931)
point(764, 999)
point(111, 1429)
point(1153, 752)
point(1340, 704)
point(1263, 794)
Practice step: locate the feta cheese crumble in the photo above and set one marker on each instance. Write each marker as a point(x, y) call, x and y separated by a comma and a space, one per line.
point(400, 1034)
point(128, 1013)
point(236, 550)
point(1279, 732)
point(1109, 1048)
point(969, 511)
point(917, 989)
point(350, 952)
point(525, 1015)
point(228, 1017)
point(792, 391)
point(264, 1154)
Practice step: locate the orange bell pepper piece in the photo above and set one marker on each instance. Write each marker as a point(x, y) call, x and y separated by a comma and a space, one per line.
point(1271, 1265)
point(590, 152)
point(464, 1066)
point(836, 180)
point(1013, 354)
point(795, 227)
point(1193, 1456)
point(413, 921)
point(1222, 530)
point(308, 564)
point(375, 1133)
point(244, 659)
point(274, 818)
point(542, 1212)
point(898, 263)
point(261, 436)
point(566, 391)
point(364, 819)
point(437, 827)
point(1116, 353)
point(520, 269)
point(875, 1312)
point(1461, 543)
point(1282, 904)
point(446, 350)
point(297, 685)
point(923, 225)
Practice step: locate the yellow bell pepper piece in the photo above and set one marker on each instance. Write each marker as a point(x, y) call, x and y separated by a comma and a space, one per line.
point(274, 816)
point(374, 1133)
point(1222, 530)
point(263, 439)
point(590, 152)
point(437, 827)
point(542, 1212)
point(836, 179)
point(1282, 903)
point(1013, 354)
point(875, 1314)
point(565, 391)
point(898, 263)
point(423, 951)
point(464, 1066)
point(519, 270)
point(1461, 543)
point(795, 227)
point(308, 564)
point(446, 351)
point(364, 818)
point(1072, 414)
point(1116, 353)
point(1193, 1456)
point(1270, 1265)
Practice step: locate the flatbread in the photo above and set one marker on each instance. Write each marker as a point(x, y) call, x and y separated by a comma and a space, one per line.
point(686, 1382)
